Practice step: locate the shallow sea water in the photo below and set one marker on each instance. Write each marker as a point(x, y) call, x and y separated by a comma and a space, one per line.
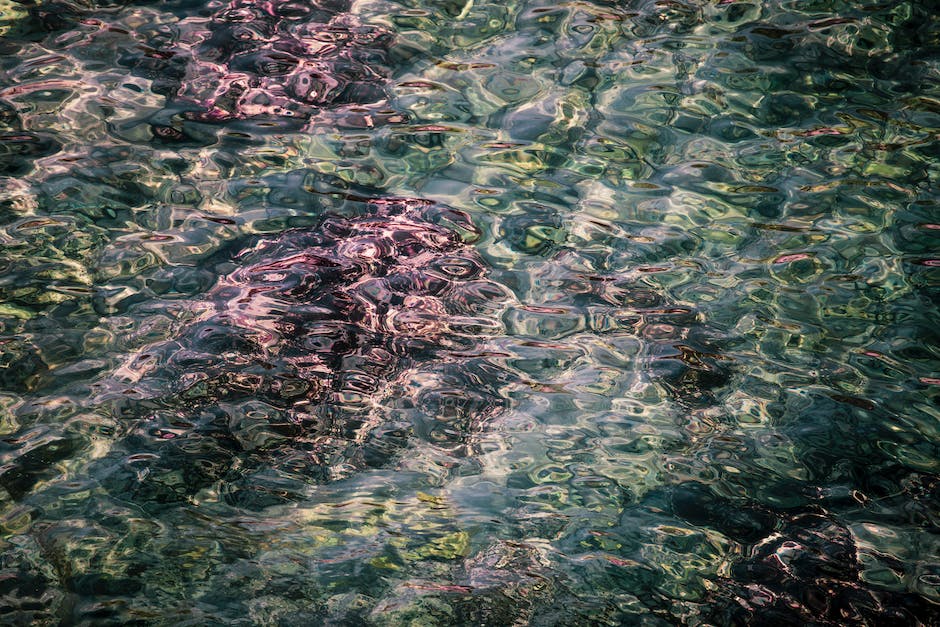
point(469, 313)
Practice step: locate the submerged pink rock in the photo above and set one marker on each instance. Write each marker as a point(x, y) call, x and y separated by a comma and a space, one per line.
point(255, 58)
point(330, 347)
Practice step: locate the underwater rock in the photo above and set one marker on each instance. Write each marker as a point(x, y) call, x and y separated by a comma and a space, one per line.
point(796, 567)
point(509, 583)
point(223, 61)
point(698, 505)
point(18, 150)
point(253, 58)
point(21, 365)
point(328, 349)
point(9, 117)
point(807, 572)
point(25, 462)
point(502, 584)
point(29, 594)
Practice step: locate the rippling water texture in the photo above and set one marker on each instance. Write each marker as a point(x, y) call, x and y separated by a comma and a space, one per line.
point(461, 312)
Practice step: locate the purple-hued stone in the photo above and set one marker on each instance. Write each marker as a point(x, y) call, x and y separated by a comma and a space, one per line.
point(288, 59)
point(335, 346)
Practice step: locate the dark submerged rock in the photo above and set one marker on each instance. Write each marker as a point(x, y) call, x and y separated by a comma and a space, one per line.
point(18, 150)
point(807, 572)
point(21, 365)
point(797, 566)
point(698, 505)
point(281, 59)
point(319, 351)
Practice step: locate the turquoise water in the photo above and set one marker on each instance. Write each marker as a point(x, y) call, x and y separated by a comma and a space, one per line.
point(466, 313)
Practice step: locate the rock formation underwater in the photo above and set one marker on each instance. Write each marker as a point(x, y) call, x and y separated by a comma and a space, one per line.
point(303, 344)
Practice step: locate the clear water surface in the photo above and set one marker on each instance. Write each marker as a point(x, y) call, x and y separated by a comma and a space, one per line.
point(464, 312)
